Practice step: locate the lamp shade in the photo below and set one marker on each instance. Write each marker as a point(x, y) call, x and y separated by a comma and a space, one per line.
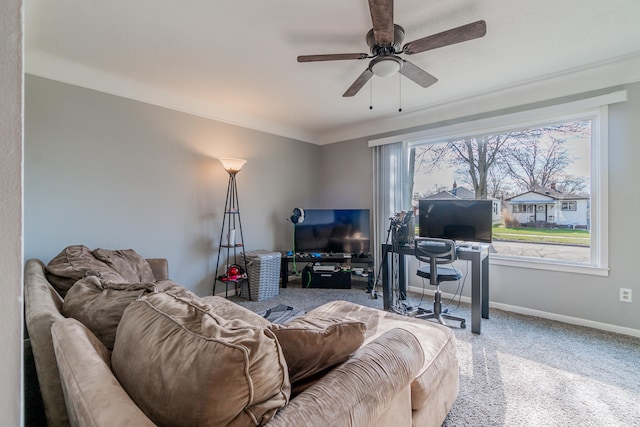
point(232, 165)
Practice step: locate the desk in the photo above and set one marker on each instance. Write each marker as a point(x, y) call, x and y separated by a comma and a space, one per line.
point(479, 278)
point(336, 258)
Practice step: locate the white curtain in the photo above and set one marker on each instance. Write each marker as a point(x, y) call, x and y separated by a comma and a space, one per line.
point(391, 190)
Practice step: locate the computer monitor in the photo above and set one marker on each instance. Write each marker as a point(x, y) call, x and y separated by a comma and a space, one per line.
point(456, 219)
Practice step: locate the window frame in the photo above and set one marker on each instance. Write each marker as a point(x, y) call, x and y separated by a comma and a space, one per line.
point(594, 109)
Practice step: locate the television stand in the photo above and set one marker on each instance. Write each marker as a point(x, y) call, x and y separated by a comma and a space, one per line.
point(338, 258)
point(325, 279)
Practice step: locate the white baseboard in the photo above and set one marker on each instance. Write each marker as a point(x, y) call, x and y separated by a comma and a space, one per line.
point(542, 314)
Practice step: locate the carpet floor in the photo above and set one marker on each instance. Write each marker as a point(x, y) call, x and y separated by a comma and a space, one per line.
point(522, 370)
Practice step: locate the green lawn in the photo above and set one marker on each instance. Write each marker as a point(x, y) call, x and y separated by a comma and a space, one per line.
point(542, 235)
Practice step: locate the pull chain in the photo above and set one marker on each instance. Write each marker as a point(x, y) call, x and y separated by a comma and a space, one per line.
point(400, 92)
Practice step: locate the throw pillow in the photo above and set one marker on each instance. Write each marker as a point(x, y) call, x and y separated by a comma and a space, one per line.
point(99, 305)
point(128, 263)
point(74, 263)
point(311, 344)
point(183, 365)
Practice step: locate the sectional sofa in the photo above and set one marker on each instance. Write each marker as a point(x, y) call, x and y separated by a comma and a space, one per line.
point(133, 348)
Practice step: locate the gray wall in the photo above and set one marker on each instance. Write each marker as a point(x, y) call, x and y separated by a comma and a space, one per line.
point(11, 226)
point(109, 172)
point(347, 175)
point(576, 298)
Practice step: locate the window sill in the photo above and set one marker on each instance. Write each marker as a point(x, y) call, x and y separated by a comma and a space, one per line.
point(548, 265)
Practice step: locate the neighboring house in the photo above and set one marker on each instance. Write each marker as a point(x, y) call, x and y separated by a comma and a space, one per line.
point(464, 193)
point(551, 207)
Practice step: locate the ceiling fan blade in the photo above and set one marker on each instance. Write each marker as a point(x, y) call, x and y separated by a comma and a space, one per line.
point(360, 81)
point(455, 35)
point(417, 74)
point(331, 57)
point(382, 19)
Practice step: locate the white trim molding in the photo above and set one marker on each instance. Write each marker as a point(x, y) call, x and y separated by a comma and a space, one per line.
point(491, 124)
point(538, 313)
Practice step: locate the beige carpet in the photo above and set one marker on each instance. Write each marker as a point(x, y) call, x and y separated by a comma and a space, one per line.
point(522, 370)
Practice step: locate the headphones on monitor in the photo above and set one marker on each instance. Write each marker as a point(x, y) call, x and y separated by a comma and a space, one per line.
point(298, 216)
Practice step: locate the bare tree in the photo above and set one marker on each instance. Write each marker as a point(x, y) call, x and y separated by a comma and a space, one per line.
point(478, 156)
point(536, 164)
point(572, 184)
point(431, 157)
point(540, 158)
point(492, 165)
point(498, 184)
point(474, 156)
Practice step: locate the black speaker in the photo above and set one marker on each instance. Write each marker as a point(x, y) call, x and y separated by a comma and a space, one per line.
point(298, 216)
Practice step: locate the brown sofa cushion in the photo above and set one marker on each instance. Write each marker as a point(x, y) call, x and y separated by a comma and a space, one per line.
point(74, 263)
point(313, 344)
point(438, 378)
point(183, 365)
point(92, 394)
point(99, 305)
point(128, 263)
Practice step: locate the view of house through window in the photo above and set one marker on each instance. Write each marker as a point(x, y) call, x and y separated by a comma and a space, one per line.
point(538, 179)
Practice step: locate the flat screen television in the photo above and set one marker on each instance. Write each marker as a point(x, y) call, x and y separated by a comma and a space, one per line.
point(334, 231)
point(460, 220)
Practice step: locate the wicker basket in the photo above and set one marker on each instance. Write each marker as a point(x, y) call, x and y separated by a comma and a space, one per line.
point(263, 271)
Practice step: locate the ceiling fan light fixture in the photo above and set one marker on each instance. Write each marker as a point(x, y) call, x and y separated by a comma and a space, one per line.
point(384, 41)
point(385, 66)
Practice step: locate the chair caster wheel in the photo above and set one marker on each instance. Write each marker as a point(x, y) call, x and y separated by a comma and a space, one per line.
point(463, 325)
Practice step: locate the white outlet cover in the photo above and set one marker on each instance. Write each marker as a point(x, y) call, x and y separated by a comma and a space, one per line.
point(625, 295)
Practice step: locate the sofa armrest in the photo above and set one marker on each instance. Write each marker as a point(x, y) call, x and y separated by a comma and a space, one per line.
point(43, 307)
point(159, 267)
point(93, 395)
point(358, 392)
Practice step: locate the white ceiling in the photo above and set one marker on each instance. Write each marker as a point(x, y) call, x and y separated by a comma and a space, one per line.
point(235, 60)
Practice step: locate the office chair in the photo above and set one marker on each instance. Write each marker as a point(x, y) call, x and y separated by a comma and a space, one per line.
point(436, 253)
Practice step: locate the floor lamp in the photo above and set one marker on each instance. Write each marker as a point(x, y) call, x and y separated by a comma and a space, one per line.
point(236, 264)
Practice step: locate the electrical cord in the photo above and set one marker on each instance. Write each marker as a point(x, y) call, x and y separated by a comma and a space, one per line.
point(308, 269)
point(459, 288)
point(308, 278)
point(422, 295)
point(295, 268)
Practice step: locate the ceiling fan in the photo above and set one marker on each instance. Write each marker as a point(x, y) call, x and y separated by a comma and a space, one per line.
point(385, 39)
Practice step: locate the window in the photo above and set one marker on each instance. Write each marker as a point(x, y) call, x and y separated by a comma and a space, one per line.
point(528, 169)
point(528, 163)
point(521, 208)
